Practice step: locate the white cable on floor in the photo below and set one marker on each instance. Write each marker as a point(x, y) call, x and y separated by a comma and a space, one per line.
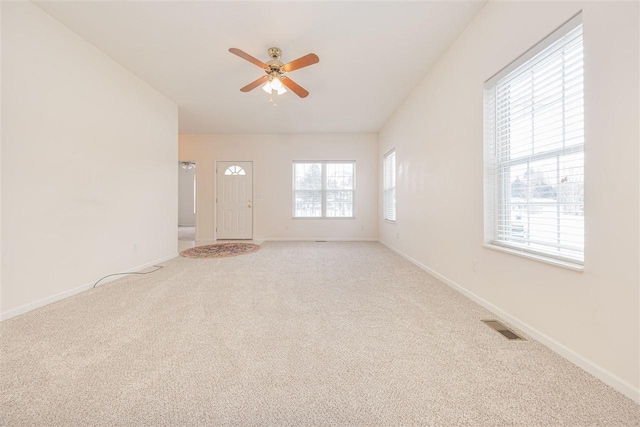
point(158, 267)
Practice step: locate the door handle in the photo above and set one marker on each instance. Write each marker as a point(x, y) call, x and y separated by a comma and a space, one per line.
point(249, 206)
point(249, 200)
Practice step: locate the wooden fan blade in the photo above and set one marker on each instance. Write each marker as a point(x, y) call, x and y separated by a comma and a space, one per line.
point(248, 57)
point(251, 86)
point(295, 87)
point(305, 61)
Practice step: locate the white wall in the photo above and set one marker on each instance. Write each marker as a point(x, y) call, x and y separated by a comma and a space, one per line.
point(186, 216)
point(272, 157)
point(1, 163)
point(88, 163)
point(590, 316)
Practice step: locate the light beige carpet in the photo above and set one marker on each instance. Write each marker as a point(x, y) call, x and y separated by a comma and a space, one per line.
point(294, 334)
point(186, 233)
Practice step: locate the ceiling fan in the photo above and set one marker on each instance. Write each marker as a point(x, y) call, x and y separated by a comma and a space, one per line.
point(275, 79)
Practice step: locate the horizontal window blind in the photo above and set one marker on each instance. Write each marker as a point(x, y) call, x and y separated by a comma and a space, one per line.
point(389, 186)
point(324, 189)
point(534, 142)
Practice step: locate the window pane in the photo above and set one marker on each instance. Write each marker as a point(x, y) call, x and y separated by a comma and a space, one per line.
point(234, 170)
point(308, 176)
point(339, 176)
point(389, 186)
point(308, 203)
point(339, 204)
point(571, 200)
point(390, 204)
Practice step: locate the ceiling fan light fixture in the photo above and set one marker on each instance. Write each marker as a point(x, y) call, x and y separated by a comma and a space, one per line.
point(187, 166)
point(267, 87)
point(282, 90)
point(276, 84)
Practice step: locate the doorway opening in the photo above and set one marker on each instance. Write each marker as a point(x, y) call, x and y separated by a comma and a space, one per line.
point(187, 205)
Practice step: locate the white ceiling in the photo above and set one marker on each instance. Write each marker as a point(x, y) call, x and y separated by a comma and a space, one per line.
point(372, 54)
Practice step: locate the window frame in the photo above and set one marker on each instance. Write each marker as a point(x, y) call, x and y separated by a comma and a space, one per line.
point(386, 188)
point(323, 167)
point(494, 180)
point(195, 188)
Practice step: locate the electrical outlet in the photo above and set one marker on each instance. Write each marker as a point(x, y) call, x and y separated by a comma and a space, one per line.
point(286, 227)
point(362, 227)
point(397, 235)
point(135, 247)
point(474, 264)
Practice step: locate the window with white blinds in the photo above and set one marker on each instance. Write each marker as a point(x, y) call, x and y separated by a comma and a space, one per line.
point(534, 150)
point(389, 185)
point(324, 189)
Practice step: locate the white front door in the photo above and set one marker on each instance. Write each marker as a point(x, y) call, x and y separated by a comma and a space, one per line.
point(234, 198)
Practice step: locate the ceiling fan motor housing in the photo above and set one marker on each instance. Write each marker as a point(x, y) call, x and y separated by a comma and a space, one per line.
point(274, 67)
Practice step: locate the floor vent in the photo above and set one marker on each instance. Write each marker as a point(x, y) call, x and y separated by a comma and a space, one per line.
point(321, 241)
point(505, 331)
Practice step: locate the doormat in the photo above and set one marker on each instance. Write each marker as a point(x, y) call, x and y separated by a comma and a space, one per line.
point(220, 250)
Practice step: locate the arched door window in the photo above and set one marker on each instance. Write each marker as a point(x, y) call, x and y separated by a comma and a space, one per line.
point(234, 170)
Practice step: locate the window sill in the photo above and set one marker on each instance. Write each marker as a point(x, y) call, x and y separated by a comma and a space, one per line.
point(541, 258)
point(323, 217)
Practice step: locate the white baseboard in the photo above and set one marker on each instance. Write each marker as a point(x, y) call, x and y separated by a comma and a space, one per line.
point(57, 297)
point(597, 371)
point(314, 239)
